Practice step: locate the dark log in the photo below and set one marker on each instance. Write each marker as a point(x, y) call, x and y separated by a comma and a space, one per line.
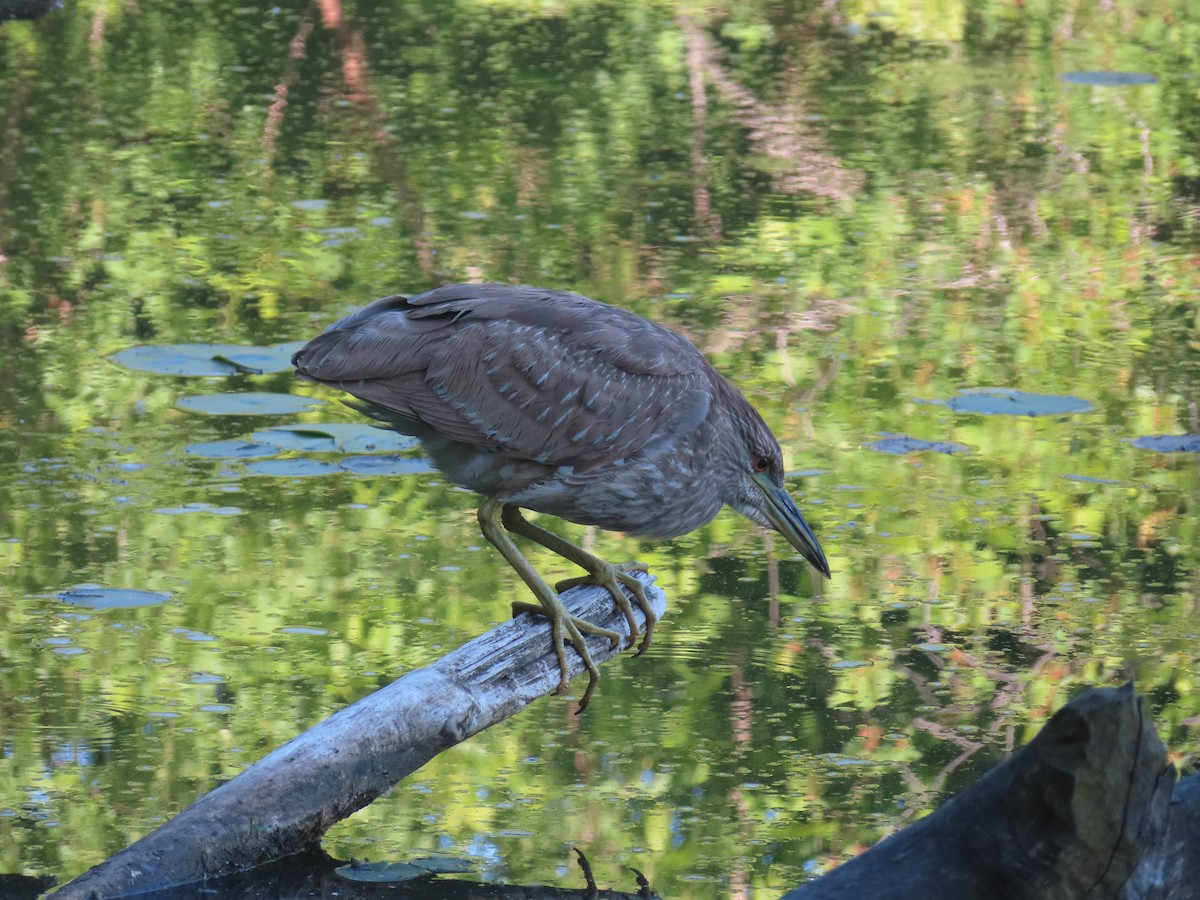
point(1073, 814)
point(1171, 871)
point(24, 887)
point(27, 9)
point(313, 874)
point(284, 803)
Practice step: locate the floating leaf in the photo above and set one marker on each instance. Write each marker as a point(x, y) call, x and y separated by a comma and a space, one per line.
point(901, 444)
point(1091, 479)
point(346, 437)
point(1109, 79)
point(263, 360)
point(290, 468)
point(199, 508)
point(249, 403)
point(303, 438)
point(207, 359)
point(1169, 443)
point(96, 597)
point(180, 359)
point(378, 441)
point(385, 465)
point(380, 872)
point(444, 865)
point(1008, 402)
point(232, 449)
point(189, 634)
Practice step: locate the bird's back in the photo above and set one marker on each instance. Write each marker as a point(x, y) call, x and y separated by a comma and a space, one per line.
point(544, 377)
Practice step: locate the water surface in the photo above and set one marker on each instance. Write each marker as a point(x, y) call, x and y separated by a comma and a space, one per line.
point(958, 279)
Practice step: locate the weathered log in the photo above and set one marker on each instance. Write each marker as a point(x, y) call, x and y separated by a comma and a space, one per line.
point(27, 9)
point(313, 874)
point(1073, 814)
point(284, 803)
point(1171, 870)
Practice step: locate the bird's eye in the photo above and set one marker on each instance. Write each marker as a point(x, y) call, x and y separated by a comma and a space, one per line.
point(761, 464)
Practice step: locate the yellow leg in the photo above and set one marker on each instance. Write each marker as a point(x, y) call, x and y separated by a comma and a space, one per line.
point(604, 574)
point(563, 625)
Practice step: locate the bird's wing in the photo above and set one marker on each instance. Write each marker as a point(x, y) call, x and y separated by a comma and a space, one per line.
point(535, 374)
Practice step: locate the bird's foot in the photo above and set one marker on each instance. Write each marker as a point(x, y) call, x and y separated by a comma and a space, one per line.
point(612, 577)
point(566, 626)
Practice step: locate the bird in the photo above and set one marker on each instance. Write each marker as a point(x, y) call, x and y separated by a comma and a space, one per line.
point(549, 401)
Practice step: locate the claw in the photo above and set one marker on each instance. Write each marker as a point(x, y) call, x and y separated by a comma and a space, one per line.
point(612, 577)
point(497, 519)
point(565, 626)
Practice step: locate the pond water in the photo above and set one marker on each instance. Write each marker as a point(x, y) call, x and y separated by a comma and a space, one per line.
point(950, 250)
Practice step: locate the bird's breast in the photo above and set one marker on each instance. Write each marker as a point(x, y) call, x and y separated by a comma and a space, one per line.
point(652, 497)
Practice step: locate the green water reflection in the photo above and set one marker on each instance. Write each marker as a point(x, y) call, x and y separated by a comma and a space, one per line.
point(860, 217)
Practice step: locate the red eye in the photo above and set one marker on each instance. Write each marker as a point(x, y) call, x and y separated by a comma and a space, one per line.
point(761, 464)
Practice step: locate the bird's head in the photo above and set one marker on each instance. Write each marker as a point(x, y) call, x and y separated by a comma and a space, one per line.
point(759, 493)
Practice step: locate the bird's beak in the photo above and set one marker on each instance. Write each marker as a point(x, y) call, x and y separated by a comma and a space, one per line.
point(781, 511)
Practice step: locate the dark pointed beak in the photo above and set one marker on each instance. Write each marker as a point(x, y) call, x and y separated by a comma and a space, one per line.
point(781, 512)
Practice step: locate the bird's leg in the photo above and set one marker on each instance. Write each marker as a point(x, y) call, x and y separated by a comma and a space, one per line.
point(563, 624)
point(600, 572)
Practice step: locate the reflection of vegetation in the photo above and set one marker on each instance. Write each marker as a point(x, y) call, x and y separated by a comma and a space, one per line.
point(897, 208)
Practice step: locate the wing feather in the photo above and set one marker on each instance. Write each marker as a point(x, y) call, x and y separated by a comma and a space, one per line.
point(538, 375)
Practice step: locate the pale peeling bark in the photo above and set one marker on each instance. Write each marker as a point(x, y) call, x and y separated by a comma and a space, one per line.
point(286, 801)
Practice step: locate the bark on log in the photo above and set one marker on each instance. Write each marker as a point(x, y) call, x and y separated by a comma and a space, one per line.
point(1171, 871)
point(309, 875)
point(1079, 812)
point(284, 803)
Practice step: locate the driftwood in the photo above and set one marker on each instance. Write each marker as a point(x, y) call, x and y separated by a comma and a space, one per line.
point(284, 803)
point(1085, 810)
point(313, 874)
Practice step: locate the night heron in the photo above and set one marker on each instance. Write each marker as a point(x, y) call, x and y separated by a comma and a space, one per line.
point(553, 402)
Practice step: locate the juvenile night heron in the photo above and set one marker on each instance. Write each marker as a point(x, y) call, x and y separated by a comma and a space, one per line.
point(549, 401)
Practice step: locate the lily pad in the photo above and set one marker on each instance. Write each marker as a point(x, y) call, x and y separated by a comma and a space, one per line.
point(1091, 479)
point(232, 450)
point(901, 445)
point(95, 597)
point(444, 865)
point(207, 359)
point(381, 872)
point(1009, 402)
point(290, 468)
point(179, 359)
point(385, 465)
point(199, 508)
point(250, 403)
point(345, 437)
point(1169, 443)
point(1109, 79)
point(263, 360)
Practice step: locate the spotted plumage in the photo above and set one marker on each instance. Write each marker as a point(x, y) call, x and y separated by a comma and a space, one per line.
point(550, 401)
